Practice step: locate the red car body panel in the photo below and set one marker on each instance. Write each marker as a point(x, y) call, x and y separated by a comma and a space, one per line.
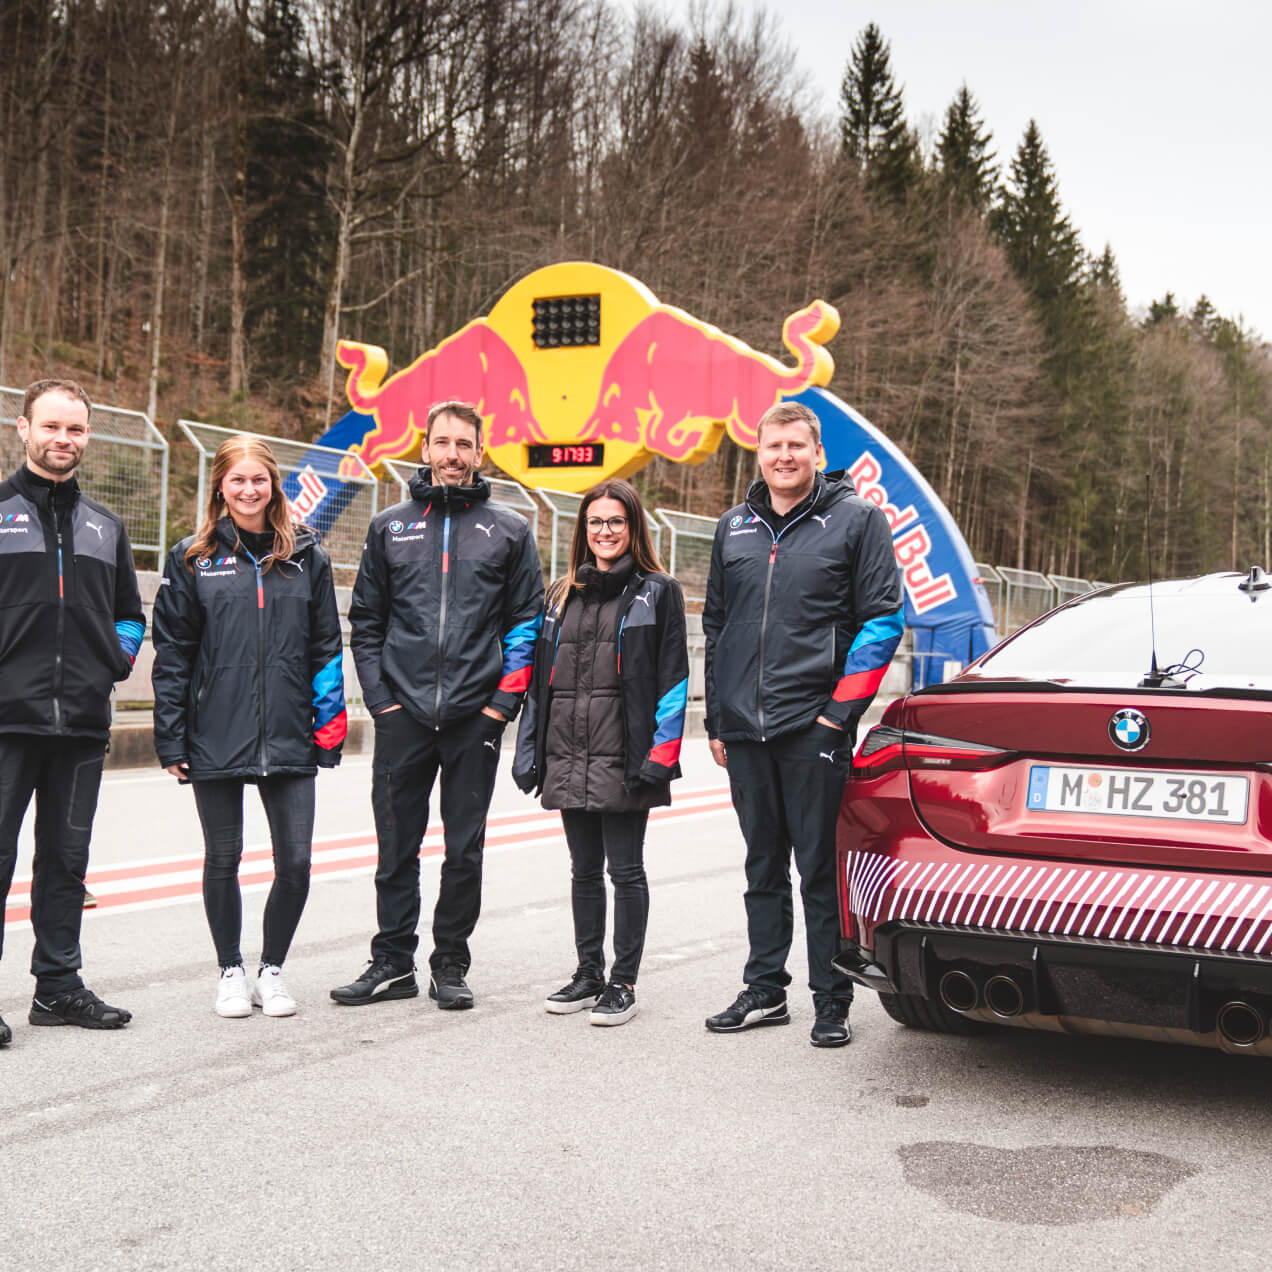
point(947, 863)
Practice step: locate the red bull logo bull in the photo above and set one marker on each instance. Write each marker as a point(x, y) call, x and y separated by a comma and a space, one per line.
point(643, 379)
point(475, 365)
point(674, 383)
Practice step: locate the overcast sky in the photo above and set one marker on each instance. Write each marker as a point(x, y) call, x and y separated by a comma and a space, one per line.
point(1156, 116)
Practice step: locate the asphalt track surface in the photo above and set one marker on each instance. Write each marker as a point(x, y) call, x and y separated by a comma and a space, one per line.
point(398, 1136)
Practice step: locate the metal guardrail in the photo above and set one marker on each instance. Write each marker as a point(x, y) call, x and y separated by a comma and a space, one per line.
point(125, 467)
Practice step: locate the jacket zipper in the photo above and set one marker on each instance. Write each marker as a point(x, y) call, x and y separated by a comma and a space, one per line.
point(768, 585)
point(441, 614)
point(260, 653)
point(61, 634)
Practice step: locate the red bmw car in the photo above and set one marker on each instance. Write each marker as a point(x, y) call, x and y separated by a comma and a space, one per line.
point(1075, 834)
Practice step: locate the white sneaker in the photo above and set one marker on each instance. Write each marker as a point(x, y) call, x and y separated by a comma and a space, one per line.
point(270, 994)
point(231, 993)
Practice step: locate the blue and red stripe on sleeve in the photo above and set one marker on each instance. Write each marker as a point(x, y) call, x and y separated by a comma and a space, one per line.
point(130, 632)
point(669, 724)
point(331, 722)
point(868, 658)
point(519, 655)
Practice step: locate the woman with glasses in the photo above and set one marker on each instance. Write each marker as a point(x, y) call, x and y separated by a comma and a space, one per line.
point(600, 733)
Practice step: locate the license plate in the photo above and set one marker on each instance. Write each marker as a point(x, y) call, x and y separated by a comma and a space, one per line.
point(1138, 793)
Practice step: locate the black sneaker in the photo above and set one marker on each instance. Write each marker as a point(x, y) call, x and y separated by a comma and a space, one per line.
point(380, 982)
point(616, 1005)
point(6, 1034)
point(448, 986)
point(831, 1029)
point(77, 1007)
point(582, 992)
point(751, 1008)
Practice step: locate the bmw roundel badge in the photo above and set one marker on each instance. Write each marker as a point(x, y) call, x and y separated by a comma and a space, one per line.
point(1128, 729)
point(737, 521)
point(396, 527)
point(204, 563)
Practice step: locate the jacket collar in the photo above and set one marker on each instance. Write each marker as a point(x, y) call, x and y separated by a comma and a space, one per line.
point(422, 488)
point(828, 488)
point(609, 582)
point(228, 534)
point(42, 491)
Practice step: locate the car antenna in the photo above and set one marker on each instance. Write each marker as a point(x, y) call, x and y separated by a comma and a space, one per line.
point(1154, 678)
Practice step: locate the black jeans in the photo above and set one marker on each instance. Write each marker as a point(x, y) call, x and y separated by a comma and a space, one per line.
point(289, 806)
point(616, 840)
point(408, 756)
point(65, 775)
point(787, 793)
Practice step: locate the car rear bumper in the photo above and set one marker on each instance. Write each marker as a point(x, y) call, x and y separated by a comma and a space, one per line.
point(1074, 984)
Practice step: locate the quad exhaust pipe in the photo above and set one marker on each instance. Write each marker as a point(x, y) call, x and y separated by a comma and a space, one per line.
point(1240, 1025)
point(1004, 996)
point(959, 992)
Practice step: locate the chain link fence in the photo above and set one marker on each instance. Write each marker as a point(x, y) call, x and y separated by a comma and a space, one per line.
point(689, 539)
point(124, 467)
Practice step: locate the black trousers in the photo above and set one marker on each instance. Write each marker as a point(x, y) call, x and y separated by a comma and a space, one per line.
point(289, 808)
point(616, 840)
point(408, 757)
point(64, 775)
point(787, 792)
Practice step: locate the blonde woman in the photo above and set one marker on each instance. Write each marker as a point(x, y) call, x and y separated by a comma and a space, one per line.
point(249, 690)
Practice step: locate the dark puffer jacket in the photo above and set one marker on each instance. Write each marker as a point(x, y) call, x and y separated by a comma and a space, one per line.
point(584, 756)
point(605, 713)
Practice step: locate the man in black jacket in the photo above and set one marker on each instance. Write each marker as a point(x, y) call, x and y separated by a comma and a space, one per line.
point(802, 617)
point(71, 623)
point(445, 612)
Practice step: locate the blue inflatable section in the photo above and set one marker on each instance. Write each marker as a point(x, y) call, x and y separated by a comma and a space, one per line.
point(315, 490)
point(945, 602)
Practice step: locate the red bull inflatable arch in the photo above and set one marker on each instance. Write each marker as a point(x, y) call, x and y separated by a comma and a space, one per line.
point(581, 373)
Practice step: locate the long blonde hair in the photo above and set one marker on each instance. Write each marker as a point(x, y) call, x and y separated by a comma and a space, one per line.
point(277, 514)
point(641, 545)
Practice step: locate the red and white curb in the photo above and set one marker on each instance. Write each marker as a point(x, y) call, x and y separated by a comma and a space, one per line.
point(163, 881)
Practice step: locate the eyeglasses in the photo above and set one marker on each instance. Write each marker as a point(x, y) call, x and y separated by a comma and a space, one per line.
point(612, 524)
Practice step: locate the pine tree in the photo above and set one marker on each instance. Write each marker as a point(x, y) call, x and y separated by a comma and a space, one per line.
point(1041, 243)
point(872, 125)
point(290, 224)
point(1161, 311)
point(964, 159)
point(1204, 316)
point(1105, 273)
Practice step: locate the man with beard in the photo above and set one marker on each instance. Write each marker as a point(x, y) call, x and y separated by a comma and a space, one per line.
point(445, 612)
point(71, 623)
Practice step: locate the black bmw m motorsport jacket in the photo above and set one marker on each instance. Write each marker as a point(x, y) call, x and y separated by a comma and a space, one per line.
point(248, 679)
point(446, 606)
point(71, 620)
point(801, 621)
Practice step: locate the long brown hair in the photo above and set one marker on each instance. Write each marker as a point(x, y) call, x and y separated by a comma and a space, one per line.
point(277, 513)
point(641, 545)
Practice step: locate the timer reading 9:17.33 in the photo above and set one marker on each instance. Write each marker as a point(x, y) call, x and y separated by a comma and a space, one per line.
point(587, 455)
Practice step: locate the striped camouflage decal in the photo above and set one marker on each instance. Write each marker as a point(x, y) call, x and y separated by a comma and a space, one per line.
point(1158, 907)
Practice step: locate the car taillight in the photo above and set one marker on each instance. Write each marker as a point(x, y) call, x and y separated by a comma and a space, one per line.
point(885, 749)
